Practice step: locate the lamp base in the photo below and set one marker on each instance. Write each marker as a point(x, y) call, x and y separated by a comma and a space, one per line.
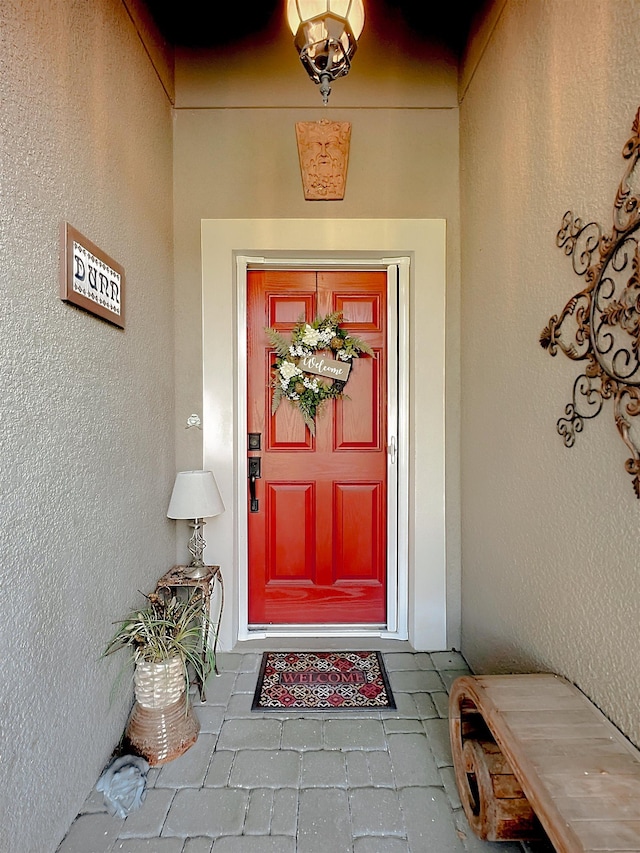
point(196, 548)
point(196, 570)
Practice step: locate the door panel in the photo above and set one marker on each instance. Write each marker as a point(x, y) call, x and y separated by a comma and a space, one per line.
point(317, 544)
point(358, 515)
point(291, 547)
point(352, 430)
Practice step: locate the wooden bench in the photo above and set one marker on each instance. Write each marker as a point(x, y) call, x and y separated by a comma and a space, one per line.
point(533, 755)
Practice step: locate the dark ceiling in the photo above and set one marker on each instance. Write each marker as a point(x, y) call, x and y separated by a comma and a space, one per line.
point(195, 23)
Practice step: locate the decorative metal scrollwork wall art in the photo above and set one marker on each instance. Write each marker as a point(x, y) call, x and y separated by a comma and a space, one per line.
point(600, 325)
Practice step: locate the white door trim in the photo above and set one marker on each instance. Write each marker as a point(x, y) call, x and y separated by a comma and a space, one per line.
point(375, 240)
point(397, 270)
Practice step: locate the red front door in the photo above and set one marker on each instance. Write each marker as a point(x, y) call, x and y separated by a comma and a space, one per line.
point(317, 535)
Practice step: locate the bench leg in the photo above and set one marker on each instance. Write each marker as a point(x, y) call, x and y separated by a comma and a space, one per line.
point(493, 801)
point(498, 809)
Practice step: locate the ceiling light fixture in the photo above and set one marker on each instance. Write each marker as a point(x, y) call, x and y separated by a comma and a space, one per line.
point(326, 37)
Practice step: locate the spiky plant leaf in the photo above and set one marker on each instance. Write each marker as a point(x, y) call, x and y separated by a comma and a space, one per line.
point(280, 345)
point(166, 628)
point(309, 421)
point(360, 345)
point(276, 399)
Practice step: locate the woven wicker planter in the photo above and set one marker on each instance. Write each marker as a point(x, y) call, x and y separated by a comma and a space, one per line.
point(158, 684)
point(162, 724)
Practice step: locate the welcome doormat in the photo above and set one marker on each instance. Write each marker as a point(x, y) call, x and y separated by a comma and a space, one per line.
point(322, 681)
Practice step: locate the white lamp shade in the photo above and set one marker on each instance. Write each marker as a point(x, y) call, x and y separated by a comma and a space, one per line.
point(299, 11)
point(195, 495)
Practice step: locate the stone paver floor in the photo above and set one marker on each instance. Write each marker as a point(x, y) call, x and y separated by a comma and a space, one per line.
point(303, 782)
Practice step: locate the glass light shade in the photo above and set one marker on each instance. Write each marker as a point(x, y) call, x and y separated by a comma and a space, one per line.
point(300, 11)
point(326, 37)
point(195, 495)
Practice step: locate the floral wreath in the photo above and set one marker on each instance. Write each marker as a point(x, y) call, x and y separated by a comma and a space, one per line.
point(306, 390)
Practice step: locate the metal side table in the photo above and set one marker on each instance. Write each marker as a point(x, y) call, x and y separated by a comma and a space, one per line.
point(178, 578)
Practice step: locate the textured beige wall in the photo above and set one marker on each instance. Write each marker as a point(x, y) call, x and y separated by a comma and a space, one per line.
point(549, 544)
point(236, 157)
point(86, 437)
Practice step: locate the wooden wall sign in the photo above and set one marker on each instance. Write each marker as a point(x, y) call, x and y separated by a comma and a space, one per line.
point(323, 151)
point(91, 279)
point(325, 367)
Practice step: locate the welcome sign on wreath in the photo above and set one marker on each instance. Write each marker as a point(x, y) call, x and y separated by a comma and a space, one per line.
point(317, 351)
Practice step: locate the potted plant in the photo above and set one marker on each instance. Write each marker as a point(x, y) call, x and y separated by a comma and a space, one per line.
point(167, 642)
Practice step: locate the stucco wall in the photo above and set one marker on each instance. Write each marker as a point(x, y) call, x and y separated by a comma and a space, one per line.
point(86, 437)
point(550, 568)
point(236, 157)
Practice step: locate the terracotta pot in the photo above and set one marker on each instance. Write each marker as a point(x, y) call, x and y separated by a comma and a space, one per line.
point(162, 724)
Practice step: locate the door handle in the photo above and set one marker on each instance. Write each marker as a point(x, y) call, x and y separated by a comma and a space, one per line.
point(254, 473)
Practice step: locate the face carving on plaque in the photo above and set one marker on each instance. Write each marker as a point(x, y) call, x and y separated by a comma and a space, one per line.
point(323, 148)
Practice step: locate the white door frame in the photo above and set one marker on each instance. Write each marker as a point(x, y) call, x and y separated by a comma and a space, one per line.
point(424, 241)
point(397, 567)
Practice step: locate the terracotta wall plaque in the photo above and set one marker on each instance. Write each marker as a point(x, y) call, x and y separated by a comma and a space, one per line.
point(323, 149)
